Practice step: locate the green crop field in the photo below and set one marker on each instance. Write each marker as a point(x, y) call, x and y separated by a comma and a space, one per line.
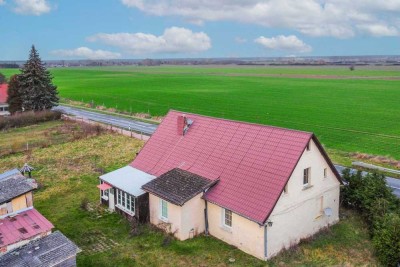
point(351, 111)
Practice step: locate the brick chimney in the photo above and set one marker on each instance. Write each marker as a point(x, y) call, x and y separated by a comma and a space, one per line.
point(181, 124)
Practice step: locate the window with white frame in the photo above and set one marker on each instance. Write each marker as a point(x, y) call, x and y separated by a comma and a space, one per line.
point(306, 177)
point(163, 209)
point(227, 218)
point(125, 201)
point(104, 193)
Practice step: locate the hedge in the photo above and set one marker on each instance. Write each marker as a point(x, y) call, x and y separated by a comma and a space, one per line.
point(381, 209)
point(28, 118)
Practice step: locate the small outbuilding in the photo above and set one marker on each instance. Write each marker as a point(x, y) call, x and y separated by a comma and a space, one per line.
point(3, 100)
point(121, 190)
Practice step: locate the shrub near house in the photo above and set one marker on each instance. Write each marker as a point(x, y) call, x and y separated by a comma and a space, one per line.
point(380, 208)
point(257, 187)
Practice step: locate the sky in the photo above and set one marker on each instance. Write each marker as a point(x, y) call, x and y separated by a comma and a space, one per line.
point(135, 29)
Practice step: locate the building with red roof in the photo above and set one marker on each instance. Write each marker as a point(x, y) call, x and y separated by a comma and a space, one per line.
point(21, 225)
point(3, 100)
point(260, 188)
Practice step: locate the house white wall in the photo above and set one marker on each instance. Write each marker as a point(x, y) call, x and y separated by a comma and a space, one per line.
point(299, 213)
point(244, 233)
point(185, 222)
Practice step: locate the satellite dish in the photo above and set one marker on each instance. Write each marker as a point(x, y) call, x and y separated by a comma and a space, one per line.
point(328, 212)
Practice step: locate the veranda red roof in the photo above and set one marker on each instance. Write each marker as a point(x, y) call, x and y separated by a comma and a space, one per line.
point(23, 226)
point(104, 186)
point(3, 93)
point(253, 162)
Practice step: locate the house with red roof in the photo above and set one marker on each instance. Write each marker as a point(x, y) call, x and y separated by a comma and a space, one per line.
point(24, 232)
point(260, 188)
point(3, 100)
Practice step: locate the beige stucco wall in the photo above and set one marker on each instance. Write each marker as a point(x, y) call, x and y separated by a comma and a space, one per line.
point(22, 202)
point(299, 213)
point(244, 234)
point(185, 222)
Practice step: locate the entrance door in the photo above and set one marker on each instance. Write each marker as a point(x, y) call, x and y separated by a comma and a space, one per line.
point(111, 204)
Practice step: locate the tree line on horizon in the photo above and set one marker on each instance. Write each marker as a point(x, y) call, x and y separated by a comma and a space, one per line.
point(32, 89)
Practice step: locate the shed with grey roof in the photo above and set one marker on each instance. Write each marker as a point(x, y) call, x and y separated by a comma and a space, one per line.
point(14, 184)
point(52, 250)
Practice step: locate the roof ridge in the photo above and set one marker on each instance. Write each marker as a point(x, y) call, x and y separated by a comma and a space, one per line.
point(238, 121)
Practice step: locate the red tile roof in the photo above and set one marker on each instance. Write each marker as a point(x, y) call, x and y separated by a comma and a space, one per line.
point(23, 226)
point(253, 162)
point(3, 93)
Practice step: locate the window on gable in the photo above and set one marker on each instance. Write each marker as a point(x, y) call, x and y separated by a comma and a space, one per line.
point(306, 177)
point(227, 218)
point(164, 209)
point(308, 147)
point(325, 172)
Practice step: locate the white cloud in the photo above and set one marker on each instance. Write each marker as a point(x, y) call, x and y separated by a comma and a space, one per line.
point(379, 30)
point(173, 40)
point(87, 53)
point(286, 43)
point(32, 7)
point(338, 18)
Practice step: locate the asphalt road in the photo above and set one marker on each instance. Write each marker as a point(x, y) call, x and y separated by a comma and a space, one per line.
point(124, 123)
point(148, 129)
point(391, 182)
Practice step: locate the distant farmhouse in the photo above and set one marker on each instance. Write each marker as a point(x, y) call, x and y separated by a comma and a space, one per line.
point(26, 237)
point(3, 100)
point(259, 188)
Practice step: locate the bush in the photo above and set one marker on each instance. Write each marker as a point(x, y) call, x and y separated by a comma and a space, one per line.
point(387, 239)
point(381, 209)
point(28, 118)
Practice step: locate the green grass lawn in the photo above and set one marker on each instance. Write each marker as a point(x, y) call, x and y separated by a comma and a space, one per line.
point(347, 114)
point(68, 173)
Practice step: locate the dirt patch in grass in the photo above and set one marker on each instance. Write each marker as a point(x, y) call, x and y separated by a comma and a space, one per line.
point(381, 160)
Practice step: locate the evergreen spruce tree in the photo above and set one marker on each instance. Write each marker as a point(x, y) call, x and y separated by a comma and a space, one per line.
point(14, 95)
point(35, 81)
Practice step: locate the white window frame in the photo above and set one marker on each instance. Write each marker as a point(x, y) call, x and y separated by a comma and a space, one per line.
point(224, 218)
point(163, 204)
point(125, 202)
point(308, 183)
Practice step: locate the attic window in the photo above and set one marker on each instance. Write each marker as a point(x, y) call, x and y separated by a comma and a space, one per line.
point(35, 226)
point(306, 177)
point(23, 230)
